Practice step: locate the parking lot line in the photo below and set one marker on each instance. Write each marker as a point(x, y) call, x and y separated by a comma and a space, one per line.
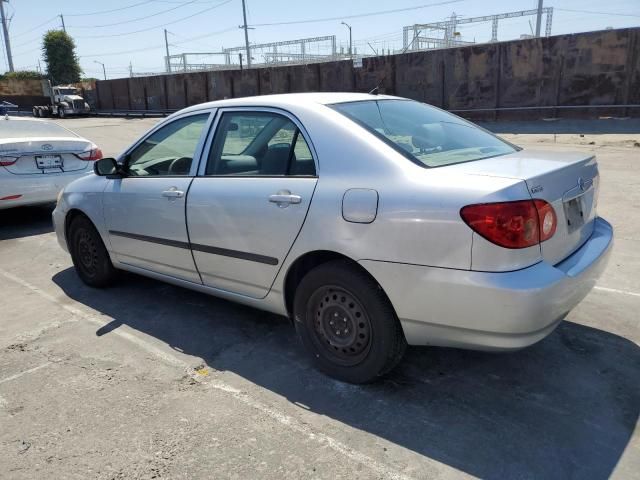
point(25, 372)
point(290, 422)
point(615, 290)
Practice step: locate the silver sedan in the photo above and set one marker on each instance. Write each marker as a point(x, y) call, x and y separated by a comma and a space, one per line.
point(373, 222)
point(38, 159)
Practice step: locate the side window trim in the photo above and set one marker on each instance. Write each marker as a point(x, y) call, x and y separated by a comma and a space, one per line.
point(215, 124)
point(197, 156)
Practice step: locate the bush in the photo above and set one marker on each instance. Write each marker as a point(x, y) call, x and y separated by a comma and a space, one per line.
point(22, 75)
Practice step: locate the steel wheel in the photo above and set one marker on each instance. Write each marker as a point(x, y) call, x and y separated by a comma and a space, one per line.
point(87, 253)
point(342, 327)
point(347, 323)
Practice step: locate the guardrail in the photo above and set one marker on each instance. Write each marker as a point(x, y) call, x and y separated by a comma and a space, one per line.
point(132, 113)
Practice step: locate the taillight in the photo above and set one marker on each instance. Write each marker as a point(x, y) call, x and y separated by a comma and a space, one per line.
point(90, 155)
point(519, 224)
point(6, 161)
point(546, 219)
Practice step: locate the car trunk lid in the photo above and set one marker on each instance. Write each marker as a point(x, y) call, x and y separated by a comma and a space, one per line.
point(43, 155)
point(568, 181)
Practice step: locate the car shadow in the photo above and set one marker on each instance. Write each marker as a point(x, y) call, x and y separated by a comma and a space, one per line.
point(564, 408)
point(22, 222)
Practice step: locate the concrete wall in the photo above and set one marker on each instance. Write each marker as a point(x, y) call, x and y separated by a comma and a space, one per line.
point(594, 68)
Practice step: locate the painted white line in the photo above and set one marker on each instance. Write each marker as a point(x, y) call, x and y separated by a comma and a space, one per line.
point(615, 290)
point(297, 426)
point(286, 420)
point(168, 358)
point(18, 375)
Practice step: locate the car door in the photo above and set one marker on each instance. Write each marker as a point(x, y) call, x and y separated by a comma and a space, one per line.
point(145, 210)
point(250, 199)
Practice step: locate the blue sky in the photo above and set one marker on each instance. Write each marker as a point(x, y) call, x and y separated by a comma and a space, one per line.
point(212, 24)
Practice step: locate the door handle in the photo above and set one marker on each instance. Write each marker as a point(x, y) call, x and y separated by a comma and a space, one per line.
point(173, 192)
point(284, 199)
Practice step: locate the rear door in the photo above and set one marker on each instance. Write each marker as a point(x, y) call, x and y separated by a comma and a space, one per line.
point(145, 211)
point(248, 204)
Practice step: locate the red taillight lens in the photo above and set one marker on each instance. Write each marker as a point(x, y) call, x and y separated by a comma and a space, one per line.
point(6, 161)
point(519, 224)
point(90, 155)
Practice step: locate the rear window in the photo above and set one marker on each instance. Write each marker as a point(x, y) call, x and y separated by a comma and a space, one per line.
point(426, 135)
point(31, 128)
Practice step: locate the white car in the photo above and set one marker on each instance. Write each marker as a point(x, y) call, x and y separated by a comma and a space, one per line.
point(38, 159)
point(373, 222)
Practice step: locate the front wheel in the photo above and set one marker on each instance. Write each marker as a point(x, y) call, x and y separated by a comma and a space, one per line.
point(347, 324)
point(61, 113)
point(90, 257)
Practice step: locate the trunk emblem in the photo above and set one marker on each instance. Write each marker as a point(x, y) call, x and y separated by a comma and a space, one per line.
point(584, 184)
point(47, 147)
point(536, 189)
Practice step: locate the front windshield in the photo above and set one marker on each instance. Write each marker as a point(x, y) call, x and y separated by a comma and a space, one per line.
point(68, 91)
point(426, 135)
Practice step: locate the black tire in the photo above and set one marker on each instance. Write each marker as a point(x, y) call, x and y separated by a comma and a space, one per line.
point(61, 113)
point(90, 257)
point(34, 111)
point(367, 341)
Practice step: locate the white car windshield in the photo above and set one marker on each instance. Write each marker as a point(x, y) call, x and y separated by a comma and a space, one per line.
point(425, 135)
point(12, 128)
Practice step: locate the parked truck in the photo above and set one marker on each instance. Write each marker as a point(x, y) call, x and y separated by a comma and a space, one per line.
point(65, 101)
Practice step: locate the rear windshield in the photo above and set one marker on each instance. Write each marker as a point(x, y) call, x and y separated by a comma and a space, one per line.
point(12, 128)
point(426, 135)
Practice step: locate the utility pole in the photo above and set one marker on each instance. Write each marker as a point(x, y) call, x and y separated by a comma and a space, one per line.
point(104, 70)
point(130, 70)
point(166, 46)
point(350, 39)
point(5, 32)
point(246, 33)
point(64, 29)
point(539, 18)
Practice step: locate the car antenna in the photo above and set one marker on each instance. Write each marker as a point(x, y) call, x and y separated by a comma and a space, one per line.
point(375, 90)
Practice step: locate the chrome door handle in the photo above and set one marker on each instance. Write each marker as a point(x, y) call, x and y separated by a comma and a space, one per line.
point(284, 199)
point(173, 193)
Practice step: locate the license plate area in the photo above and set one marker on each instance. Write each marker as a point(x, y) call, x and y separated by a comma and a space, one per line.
point(574, 213)
point(45, 162)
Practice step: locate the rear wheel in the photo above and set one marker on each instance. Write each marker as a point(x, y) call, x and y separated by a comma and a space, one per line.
point(90, 257)
point(347, 324)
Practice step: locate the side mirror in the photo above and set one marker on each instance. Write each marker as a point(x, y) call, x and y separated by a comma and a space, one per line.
point(106, 166)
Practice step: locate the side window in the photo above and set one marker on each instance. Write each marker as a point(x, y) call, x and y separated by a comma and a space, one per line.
point(257, 144)
point(168, 151)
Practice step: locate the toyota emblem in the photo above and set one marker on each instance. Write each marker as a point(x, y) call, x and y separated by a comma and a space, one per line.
point(47, 147)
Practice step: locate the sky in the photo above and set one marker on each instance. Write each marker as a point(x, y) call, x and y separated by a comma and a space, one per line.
point(119, 33)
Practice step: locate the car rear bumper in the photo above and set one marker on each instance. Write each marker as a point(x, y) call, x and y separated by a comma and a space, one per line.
point(34, 189)
point(491, 311)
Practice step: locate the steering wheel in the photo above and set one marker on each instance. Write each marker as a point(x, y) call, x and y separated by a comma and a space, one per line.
point(180, 166)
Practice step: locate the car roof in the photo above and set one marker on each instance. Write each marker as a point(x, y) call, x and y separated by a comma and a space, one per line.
point(287, 100)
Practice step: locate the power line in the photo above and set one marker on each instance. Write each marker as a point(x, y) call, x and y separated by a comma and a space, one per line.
point(361, 15)
point(598, 13)
point(156, 47)
point(156, 26)
point(107, 11)
point(36, 27)
point(184, 4)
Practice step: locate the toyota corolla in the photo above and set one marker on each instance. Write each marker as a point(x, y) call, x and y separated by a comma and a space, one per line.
point(371, 221)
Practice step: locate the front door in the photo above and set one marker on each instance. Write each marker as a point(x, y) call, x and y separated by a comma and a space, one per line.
point(248, 205)
point(145, 211)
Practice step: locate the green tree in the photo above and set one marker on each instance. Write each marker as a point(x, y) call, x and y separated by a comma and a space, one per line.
point(59, 53)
